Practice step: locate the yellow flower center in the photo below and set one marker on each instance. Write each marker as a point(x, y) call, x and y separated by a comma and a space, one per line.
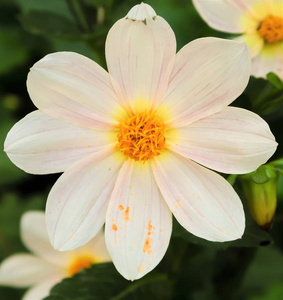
point(141, 136)
point(271, 29)
point(79, 263)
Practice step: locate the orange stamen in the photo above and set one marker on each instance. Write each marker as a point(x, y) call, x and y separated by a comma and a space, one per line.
point(141, 136)
point(271, 29)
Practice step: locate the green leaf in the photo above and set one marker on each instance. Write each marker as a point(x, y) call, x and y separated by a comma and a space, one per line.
point(275, 80)
point(253, 237)
point(103, 281)
point(48, 23)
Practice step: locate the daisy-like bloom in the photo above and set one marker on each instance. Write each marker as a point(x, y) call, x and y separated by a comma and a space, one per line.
point(46, 267)
point(260, 23)
point(130, 142)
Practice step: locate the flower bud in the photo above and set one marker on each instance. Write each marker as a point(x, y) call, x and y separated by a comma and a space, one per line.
point(260, 189)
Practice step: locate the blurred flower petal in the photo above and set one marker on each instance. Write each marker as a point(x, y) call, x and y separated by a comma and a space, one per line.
point(261, 24)
point(42, 289)
point(24, 270)
point(35, 237)
point(270, 59)
point(97, 247)
point(254, 42)
point(220, 14)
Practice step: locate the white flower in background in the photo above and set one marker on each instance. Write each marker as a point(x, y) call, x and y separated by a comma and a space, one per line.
point(46, 267)
point(259, 21)
point(130, 143)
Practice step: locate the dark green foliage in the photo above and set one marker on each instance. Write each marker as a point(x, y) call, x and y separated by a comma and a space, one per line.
point(102, 282)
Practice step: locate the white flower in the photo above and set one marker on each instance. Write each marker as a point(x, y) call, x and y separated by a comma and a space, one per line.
point(130, 142)
point(259, 21)
point(46, 267)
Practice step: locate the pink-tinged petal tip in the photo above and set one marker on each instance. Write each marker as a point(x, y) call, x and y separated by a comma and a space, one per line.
point(140, 12)
point(221, 14)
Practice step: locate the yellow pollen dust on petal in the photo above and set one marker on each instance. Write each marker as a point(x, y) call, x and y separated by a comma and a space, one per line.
point(271, 29)
point(141, 136)
point(79, 263)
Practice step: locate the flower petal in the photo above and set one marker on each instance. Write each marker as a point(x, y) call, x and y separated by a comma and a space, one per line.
point(254, 42)
point(138, 222)
point(35, 237)
point(24, 270)
point(39, 144)
point(73, 88)
point(205, 79)
point(220, 14)
point(97, 247)
point(270, 59)
point(203, 202)
point(140, 52)
point(233, 140)
point(42, 289)
point(76, 206)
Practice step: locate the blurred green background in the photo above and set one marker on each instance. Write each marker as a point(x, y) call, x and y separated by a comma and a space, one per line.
point(251, 268)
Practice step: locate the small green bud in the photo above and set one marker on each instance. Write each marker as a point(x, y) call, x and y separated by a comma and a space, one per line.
point(260, 189)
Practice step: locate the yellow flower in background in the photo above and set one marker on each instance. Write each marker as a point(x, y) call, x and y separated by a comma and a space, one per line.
point(259, 21)
point(131, 142)
point(45, 267)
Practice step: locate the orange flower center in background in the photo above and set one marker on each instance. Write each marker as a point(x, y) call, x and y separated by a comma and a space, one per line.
point(271, 29)
point(141, 136)
point(79, 263)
